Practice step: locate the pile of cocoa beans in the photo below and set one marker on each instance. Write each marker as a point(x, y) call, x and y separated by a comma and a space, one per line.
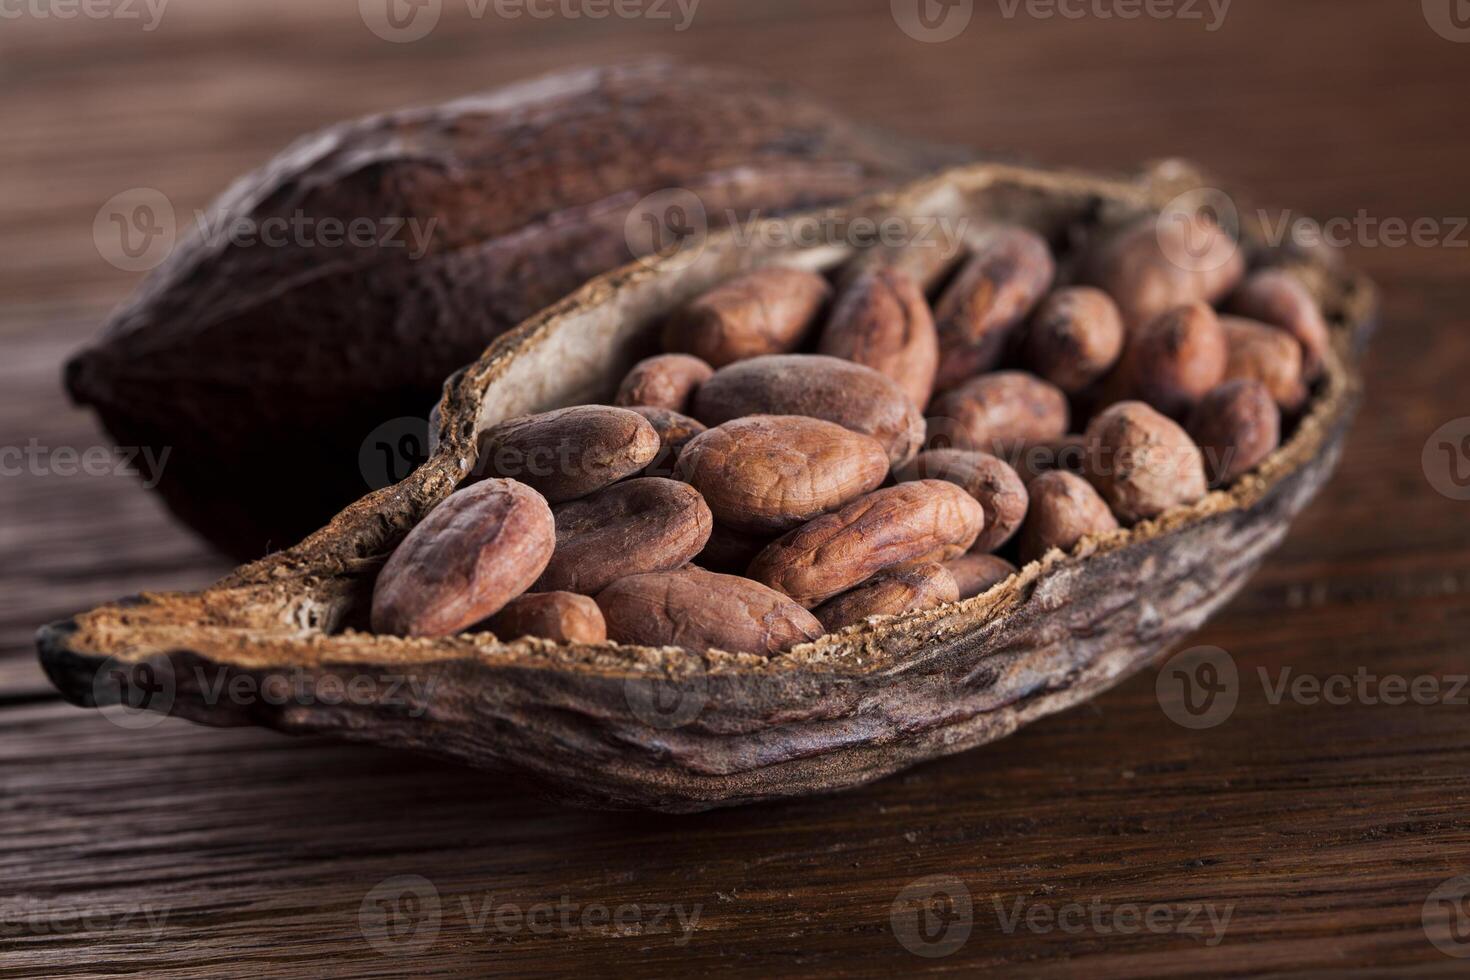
point(811, 452)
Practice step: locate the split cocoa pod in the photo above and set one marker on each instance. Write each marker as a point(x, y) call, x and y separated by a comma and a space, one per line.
point(671, 717)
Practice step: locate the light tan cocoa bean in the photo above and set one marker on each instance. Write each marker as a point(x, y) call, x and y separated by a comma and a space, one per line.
point(766, 474)
point(674, 432)
point(643, 525)
point(852, 395)
point(988, 479)
point(995, 413)
point(1236, 426)
point(1064, 509)
point(768, 311)
point(570, 452)
point(666, 381)
point(1141, 462)
point(889, 594)
point(1007, 274)
point(1171, 361)
point(1268, 355)
point(701, 610)
point(479, 548)
point(562, 617)
point(1074, 338)
point(1161, 262)
point(927, 520)
point(1276, 297)
point(882, 320)
point(975, 573)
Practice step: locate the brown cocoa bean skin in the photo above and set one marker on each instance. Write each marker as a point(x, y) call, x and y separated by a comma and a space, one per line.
point(852, 395)
point(1171, 361)
point(988, 479)
point(889, 594)
point(729, 551)
point(766, 474)
point(1066, 453)
point(975, 573)
point(570, 452)
point(1142, 462)
point(643, 525)
point(882, 320)
point(701, 610)
point(562, 617)
point(1005, 277)
point(767, 311)
point(1064, 509)
point(1157, 264)
point(479, 548)
point(1236, 426)
point(674, 432)
point(666, 381)
point(995, 413)
point(1268, 355)
point(927, 520)
point(1074, 338)
point(1276, 297)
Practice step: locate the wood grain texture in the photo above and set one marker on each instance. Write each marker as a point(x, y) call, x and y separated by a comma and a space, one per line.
point(1325, 826)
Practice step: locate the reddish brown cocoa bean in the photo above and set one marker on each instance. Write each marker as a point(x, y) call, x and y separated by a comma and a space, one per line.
point(1171, 361)
point(1161, 262)
point(562, 617)
point(666, 381)
point(1142, 462)
point(889, 594)
point(882, 320)
point(1065, 453)
point(927, 520)
point(570, 452)
point(995, 413)
point(700, 610)
point(988, 479)
point(1268, 355)
point(1006, 276)
point(478, 549)
point(1276, 297)
point(674, 432)
point(1064, 509)
point(1236, 426)
point(1075, 338)
point(975, 573)
point(768, 311)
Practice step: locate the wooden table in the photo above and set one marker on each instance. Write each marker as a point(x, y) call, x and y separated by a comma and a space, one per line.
point(1108, 841)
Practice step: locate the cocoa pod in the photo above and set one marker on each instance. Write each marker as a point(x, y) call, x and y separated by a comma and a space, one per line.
point(766, 474)
point(1268, 355)
point(562, 617)
point(882, 320)
point(1008, 273)
point(643, 525)
point(889, 594)
point(852, 395)
point(701, 610)
point(666, 381)
point(570, 452)
point(1141, 462)
point(995, 413)
point(975, 573)
point(729, 551)
point(480, 548)
point(1075, 337)
point(988, 479)
point(1276, 297)
point(1064, 509)
point(768, 311)
point(1236, 426)
point(927, 520)
point(674, 432)
point(1171, 361)
point(265, 369)
point(1162, 262)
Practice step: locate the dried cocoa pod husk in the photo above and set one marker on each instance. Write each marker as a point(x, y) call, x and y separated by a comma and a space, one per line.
point(890, 593)
point(882, 320)
point(561, 617)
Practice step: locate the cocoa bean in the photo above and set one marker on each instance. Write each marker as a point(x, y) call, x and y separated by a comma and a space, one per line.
point(729, 551)
point(1141, 462)
point(570, 452)
point(889, 594)
point(882, 320)
point(995, 413)
point(1268, 355)
point(1236, 426)
point(990, 480)
point(1276, 297)
point(975, 573)
point(768, 311)
point(666, 381)
point(674, 432)
point(562, 617)
point(1064, 509)
point(1161, 262)
point(1171, 361)
point(1075, 337)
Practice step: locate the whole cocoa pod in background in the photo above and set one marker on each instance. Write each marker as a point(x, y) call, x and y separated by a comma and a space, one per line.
point(264, 370)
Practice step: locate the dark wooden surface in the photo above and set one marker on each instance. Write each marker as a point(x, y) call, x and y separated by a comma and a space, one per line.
point(1322, 829)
